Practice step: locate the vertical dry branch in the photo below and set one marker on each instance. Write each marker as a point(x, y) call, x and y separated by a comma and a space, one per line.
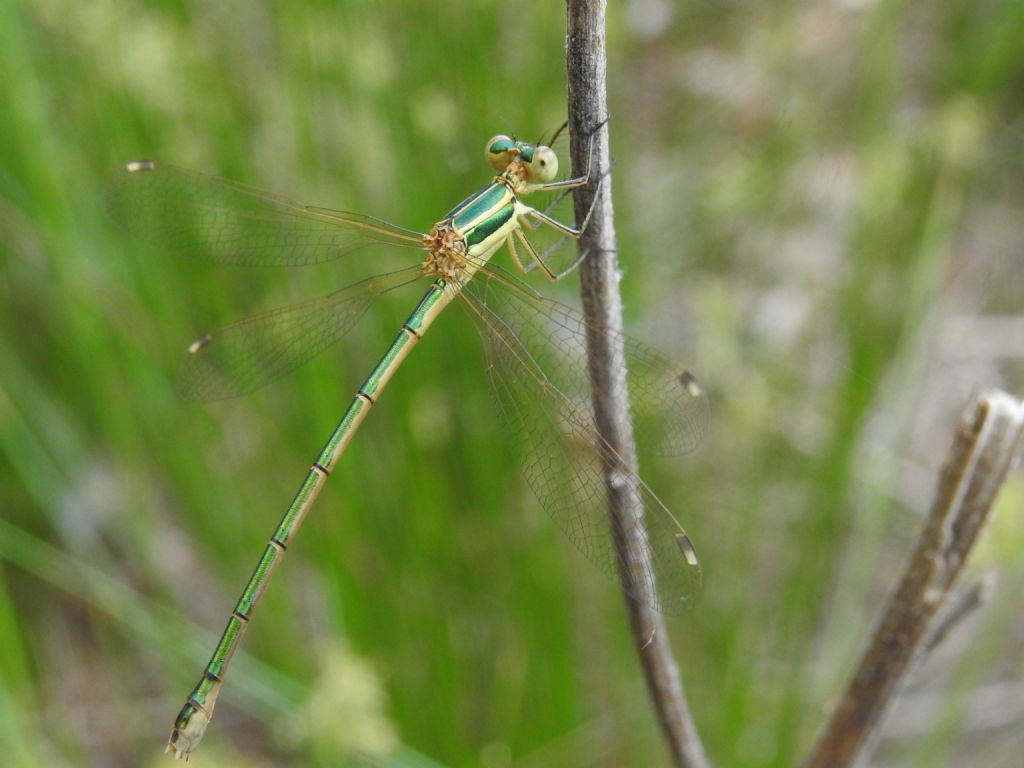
point(985, 447)
point(586, 62)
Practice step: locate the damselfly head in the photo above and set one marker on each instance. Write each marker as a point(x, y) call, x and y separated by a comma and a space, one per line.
point(540, 163)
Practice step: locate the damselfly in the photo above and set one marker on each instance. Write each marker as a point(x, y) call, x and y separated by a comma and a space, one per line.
point(534, 347)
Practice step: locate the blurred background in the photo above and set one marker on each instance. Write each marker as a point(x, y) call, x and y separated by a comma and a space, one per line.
point(819, 211)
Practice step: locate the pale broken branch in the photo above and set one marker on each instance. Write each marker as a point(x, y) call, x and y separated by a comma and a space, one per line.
point(987, 445)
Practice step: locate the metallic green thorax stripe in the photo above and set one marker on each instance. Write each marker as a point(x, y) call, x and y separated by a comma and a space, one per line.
point(476, 206)
point(490, 225)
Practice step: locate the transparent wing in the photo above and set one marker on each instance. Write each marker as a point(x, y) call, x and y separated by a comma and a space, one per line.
point(197, 215)
point(537, 370)
point(244, 356)
point(669, 408)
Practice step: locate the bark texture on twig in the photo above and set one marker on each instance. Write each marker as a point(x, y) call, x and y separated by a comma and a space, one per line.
point(986, 446)
point(599, 283)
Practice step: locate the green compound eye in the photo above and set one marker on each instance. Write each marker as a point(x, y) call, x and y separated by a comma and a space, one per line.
point(499, 145)
point(500, 151)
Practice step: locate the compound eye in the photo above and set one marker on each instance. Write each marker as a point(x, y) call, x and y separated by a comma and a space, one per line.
point(543, 167)
point(500, 151)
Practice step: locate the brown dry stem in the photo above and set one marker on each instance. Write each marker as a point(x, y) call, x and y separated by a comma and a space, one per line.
point(985, 448)
point(586, 62)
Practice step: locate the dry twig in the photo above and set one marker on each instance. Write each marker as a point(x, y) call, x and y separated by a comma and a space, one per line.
point(599, 279)
point(986, 446)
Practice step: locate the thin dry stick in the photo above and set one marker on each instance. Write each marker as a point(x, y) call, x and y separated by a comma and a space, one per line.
point(599, 285)
point(986, 446)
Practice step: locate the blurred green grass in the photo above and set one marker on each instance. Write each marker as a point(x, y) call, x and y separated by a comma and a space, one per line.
point(818, 211)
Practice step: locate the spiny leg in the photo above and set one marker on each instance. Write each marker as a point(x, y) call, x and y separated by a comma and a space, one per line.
point(544, 217)
point(523, 269)
point(574, 232)
point(537, 260)
point(535, 225)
